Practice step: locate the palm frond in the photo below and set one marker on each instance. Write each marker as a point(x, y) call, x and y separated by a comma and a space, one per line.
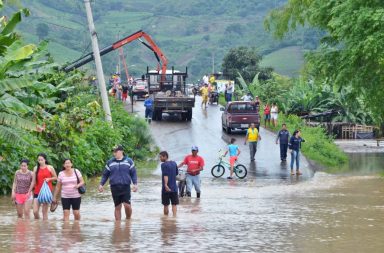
point(11, 135)
point(7, 119)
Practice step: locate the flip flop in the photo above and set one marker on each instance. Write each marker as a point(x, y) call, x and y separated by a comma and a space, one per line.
point(54, 205)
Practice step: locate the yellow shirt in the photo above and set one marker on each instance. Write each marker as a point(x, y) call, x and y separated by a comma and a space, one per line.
point(253, 134)
point(204, 91)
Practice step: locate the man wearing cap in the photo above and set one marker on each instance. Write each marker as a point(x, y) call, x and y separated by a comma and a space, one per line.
point(195, 164)
point(121, 171)
point(148, 104)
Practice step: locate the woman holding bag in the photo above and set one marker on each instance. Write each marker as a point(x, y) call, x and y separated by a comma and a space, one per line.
point(43, 172)
point(70, 183)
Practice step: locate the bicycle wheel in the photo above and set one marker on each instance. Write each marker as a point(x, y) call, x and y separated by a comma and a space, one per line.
point(218, 170)
point(240, 171)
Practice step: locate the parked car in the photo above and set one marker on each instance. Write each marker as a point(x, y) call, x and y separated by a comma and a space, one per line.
point(238, 115)
point(140, 88)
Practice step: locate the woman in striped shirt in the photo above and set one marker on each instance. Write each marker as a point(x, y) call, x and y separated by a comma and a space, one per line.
point(68, 186)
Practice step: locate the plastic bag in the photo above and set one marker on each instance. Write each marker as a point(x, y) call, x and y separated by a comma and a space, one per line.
point(45, 194)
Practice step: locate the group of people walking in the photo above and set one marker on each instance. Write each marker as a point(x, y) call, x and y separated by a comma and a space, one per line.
point(119, 170)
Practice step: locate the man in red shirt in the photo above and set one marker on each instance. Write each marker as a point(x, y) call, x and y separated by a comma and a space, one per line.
point(195, 164)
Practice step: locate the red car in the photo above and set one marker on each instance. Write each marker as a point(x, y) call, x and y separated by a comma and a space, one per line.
point(239, 115)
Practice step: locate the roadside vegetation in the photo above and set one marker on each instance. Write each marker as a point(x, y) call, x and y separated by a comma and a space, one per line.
point(45, 110)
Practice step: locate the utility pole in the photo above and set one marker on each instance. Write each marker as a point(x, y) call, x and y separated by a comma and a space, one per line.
point(99, 66)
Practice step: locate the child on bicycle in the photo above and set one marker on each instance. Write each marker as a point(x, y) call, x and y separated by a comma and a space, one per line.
point(234, 152)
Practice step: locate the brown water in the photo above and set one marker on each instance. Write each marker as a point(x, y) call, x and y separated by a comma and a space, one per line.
point(268, 212)
point(325, 214)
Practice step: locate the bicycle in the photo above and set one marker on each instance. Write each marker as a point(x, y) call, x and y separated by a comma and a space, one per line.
point(182, 182)
point(219, 169)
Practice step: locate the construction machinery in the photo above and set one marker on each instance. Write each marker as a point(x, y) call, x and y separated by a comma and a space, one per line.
point(168, 87)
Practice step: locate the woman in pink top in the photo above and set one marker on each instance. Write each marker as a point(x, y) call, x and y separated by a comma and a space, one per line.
point(21, 194)
point(68, 186)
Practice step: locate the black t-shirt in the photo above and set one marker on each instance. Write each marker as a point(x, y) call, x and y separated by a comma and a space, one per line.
point(169, 168)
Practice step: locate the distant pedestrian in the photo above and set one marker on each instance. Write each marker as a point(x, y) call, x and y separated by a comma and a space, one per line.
point(247, 97)
point(252, 137)
point(42, 172)
point(295, 146)
point(169, 191)
point(274, 114)
point(68, 187)
point(283, 138)
point(234, 153)
point(125, 92)
point(267, 115)
point(229, 89)
point(195, 164)
point(148, 103)
point(121, 172)
point(204, 94)
point(21, 193)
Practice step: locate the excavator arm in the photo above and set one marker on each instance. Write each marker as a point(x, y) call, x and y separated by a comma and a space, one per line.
point(162, 60)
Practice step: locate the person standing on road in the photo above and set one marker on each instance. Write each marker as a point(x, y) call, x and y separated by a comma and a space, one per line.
point(42, 172)
point(204, 93)
point(148, 103)
point(295, 146)
point(169, 191)
point(283, 138)
point(234, 152)
point(68, 186)
point(229, 90)
point(121, 172)
point(21, 195)
point(267, 115)
point(194, 164)
point(252, 137)
point(274, 114)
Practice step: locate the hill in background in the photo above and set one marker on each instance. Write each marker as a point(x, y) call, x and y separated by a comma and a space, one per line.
point(190, 33)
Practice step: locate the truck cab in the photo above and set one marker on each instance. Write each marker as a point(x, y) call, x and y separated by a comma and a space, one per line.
point(239, 115)
point(170, 94)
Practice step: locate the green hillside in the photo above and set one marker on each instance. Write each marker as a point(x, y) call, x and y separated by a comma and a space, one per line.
point(285, 61)
point(190, 33)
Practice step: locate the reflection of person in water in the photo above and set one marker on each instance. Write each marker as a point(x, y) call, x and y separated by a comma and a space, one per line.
point(71, 235)
point(168, 231)
point(121, 236)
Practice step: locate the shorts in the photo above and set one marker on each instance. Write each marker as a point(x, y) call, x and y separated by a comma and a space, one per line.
point(21, 198)
point(232, 160)
point(274, 116)
point(205, 99)
point(121, 194)
point(267, 116)
point(169, 197)
point(68, 202)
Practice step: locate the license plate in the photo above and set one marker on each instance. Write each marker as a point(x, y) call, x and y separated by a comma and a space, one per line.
point(244, 125)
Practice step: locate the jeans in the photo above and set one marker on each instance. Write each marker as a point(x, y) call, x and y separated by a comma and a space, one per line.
point(252, 149)
point(148, 113)
point(228, 97)
point(283, 151)
point(195, 181)
point(295, 155)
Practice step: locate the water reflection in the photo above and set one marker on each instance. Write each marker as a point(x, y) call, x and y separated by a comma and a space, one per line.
point(168, 230)
point(121, 235)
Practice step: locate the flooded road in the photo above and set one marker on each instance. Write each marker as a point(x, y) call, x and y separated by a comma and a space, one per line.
point(268, 212)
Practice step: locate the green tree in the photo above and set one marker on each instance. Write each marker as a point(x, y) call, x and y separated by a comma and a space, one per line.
point(42, 30)
point(246, 61)
point(352, 49)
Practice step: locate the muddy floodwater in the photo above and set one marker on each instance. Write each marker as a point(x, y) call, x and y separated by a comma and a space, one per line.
point(269, 211)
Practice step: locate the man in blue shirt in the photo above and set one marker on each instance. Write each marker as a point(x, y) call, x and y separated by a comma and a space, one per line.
point(169, 191)
point(234, 152)
point(148, 103)
point(121, 171)
point(283, 137)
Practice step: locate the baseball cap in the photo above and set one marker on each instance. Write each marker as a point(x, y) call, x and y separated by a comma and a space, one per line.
point(118, 148)
point(195, 148)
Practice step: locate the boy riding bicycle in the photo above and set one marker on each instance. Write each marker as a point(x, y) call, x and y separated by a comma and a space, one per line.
point(234, 152)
